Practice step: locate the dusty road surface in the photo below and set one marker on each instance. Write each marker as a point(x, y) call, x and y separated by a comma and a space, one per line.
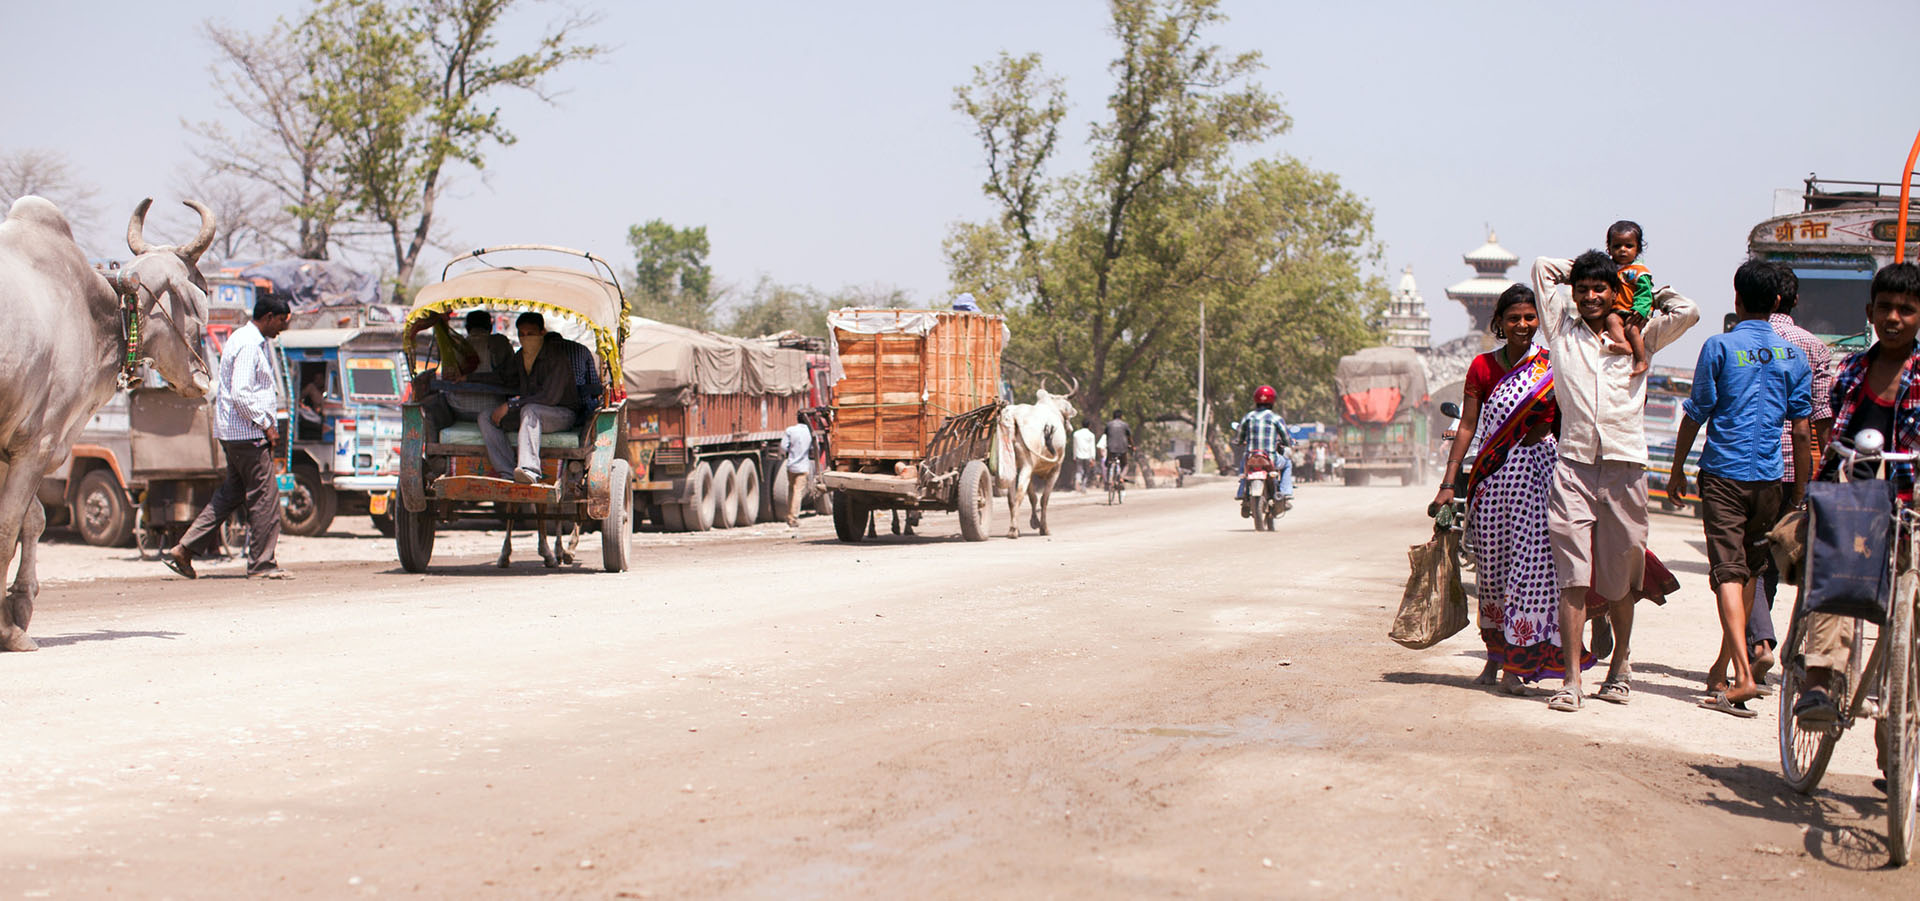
point(1157, 701)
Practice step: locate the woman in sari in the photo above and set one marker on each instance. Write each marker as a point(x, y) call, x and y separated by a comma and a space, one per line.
point(1509, 415)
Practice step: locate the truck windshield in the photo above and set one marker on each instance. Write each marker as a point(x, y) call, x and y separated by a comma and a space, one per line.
point(372, 377)
point(1833, 301)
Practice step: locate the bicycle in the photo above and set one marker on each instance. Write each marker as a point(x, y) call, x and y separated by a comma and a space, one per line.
point(1885, 687)
point(1116, 480)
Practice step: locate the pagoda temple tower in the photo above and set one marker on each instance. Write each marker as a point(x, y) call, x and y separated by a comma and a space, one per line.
point(1490, 263)
point(1408, 324)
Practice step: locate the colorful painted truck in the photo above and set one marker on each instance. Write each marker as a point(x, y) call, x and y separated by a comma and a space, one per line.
point(1384, 415)
point(346, 456)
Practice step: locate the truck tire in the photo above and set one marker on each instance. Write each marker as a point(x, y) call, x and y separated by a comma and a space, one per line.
point(616, 530)
point(667, 518)
point(696, 515)
point(1355, 478)
point(774, 492)
point(746, 480)
point(976, 501)
point(849, 518)
point(413, 537)
point(309, 509)
point(726, 494)
point(101, 511)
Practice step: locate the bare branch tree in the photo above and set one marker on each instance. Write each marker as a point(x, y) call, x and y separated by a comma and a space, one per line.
point(46, 173)
point(286, 146)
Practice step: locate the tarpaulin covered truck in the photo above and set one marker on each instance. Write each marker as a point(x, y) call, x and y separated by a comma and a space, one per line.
point(1383, 414)
point(705, 413)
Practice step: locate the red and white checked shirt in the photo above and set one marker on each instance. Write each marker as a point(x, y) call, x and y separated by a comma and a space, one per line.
point(1820, 359)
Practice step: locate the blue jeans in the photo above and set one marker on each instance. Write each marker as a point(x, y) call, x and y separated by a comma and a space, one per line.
point(1286, 475)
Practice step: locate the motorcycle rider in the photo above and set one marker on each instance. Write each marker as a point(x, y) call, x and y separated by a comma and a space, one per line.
point(1263, 430)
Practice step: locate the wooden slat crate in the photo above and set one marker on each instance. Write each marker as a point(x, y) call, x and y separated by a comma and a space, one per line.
point(896, 388)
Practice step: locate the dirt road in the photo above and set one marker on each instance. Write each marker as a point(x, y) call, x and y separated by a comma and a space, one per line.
point(1155, 701)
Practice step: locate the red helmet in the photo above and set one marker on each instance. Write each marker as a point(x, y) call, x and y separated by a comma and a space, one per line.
point(1263, 394)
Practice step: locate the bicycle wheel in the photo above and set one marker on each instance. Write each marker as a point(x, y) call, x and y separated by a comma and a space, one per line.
point(1902, 732)
point(1803, 753)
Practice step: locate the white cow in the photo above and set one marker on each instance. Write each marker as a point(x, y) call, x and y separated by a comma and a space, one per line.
point(1040, 434)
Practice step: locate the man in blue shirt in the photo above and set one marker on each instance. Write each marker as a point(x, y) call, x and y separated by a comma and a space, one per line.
point(1748, 382)
point(1263, 430)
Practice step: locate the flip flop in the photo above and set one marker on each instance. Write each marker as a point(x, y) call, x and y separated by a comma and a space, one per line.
point(183, 567)
point(1731, 708)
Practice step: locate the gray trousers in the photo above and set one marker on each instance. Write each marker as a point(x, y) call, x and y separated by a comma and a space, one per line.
point(534, 420)
point(249, 478)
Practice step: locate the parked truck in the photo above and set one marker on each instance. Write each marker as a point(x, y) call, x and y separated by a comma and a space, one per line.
point(705, 415)
point(1383, 415)
point(345, 455)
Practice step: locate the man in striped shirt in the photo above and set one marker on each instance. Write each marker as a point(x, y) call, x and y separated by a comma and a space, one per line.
point(1760, 635)
point(244, 422)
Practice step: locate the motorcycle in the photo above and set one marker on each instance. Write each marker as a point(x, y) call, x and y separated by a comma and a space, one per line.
point(1263, 503)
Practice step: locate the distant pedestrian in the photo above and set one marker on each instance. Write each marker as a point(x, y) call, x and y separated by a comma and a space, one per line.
point(244, 422)
point(797, 446)
point(1117, 442)
point(1748, 382)
point(1085, 447)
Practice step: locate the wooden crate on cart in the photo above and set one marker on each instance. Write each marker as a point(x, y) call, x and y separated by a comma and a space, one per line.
point(903, 373)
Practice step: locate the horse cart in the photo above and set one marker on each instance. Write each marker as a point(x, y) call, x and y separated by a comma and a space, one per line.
point(586, 471)
point(915, 405)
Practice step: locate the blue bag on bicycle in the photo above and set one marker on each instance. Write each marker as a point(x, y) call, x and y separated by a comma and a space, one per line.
point(1847, 548)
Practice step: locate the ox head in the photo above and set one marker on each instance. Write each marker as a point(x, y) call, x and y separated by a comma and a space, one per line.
point(170, 298)
point(1046, 400)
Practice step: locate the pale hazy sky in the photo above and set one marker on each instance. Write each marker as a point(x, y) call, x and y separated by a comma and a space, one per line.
point(817, 143)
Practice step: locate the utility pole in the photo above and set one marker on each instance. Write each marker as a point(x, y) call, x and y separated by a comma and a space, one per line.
point(1200, 396)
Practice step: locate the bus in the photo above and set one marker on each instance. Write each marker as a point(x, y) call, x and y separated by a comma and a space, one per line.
point(1843, 233)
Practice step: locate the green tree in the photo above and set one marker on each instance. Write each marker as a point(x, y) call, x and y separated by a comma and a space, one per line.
point(672, 281)
point(408, 88)
point(1102, 274)
point(771, 308)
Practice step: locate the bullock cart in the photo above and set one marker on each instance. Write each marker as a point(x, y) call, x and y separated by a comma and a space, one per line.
point(586, 472)
point(915, 405)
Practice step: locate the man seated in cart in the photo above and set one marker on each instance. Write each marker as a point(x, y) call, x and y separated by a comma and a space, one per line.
point(544, 399)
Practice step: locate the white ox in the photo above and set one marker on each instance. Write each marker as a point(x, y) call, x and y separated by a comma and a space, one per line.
point(61, 356)
point(1040, 434)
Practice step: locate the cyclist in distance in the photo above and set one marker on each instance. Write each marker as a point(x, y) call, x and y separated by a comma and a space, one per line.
point(1119, 442)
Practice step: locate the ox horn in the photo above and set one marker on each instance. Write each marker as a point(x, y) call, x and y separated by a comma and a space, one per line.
point(192, 251)
point(136, 239)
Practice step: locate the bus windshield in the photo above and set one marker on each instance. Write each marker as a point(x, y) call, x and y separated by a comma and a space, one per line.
point(1832, 301)
point(372, 377)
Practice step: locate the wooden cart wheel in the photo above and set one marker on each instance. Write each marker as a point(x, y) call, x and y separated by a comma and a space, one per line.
point(849, 518)
point(616, 530)
point(726, 494)
point(697, 513)
point(976, 501)
point(746, 483)
point(413, 534)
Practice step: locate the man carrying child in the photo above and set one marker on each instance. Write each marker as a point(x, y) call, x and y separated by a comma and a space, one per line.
point(1597, 507)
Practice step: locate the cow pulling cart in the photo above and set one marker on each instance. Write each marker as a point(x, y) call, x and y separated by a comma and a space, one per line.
point(586, 470)
point(916, 399)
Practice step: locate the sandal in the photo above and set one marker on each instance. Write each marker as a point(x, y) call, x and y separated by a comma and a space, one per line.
point(1815, 710)
point(181, 565)
point(1731, 708)
point(1566, 700)
point(1615, 691)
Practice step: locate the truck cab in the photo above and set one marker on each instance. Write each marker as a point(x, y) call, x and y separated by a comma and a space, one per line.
point(344, 388)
